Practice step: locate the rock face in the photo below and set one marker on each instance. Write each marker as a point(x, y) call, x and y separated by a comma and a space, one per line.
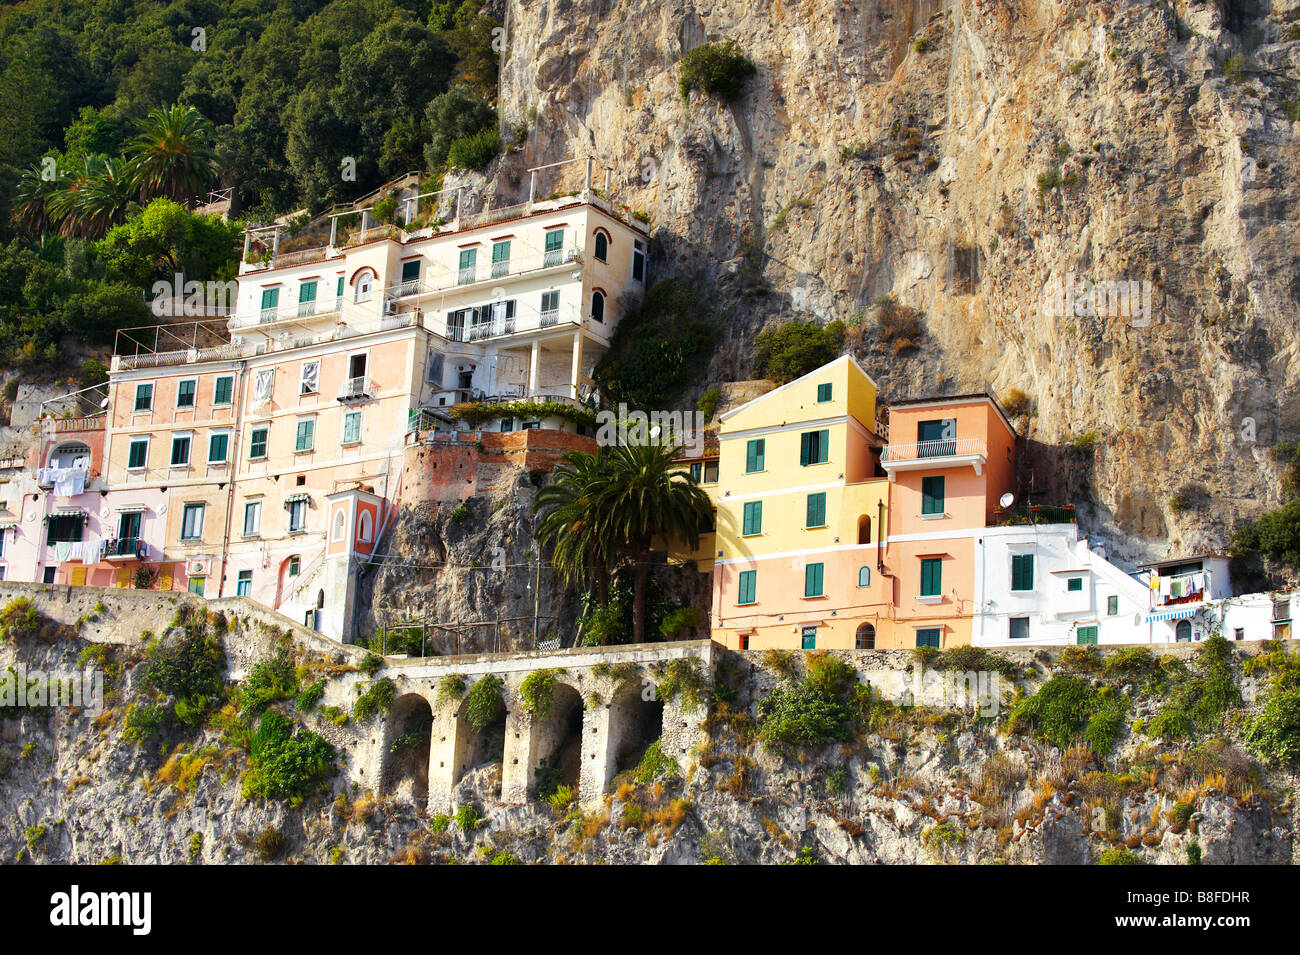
point(960, 158)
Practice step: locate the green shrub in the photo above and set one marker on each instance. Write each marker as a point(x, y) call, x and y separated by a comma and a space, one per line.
point(440, 822)
point(283, 765)
point(467, 818)
point(310, 696)
point(820, 709)
point(269, 681)
point(707, 405)
point(1274, 734)
point(142, 721)
point(1129, 663)
point(1106, 723)
point(683, 677)
point(537, 692)
point(1118, 855)
point(475, 150)
point(679, 621)
point(484, 703)
point(378, 698)
point(795, 348)
point(371, 664)
point(974, 659)
point(1193, 853)
point(505, 858)
point(923, 44)
point(451, 688)
point(715, 69)
point(1058, 712)
point(655, 764)
point(459, 514)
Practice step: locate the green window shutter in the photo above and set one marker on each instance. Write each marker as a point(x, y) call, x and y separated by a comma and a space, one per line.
point(139, 450)
point(1087, 636)
point(352, 427)
point(928, 638)
point(753, 522)
point(816, 510)
point(812, 580)
point(808, 638)
point(754, 454)
point(932, 496)
point(748, 586)
point(1112, 606)
point(931, 576)
point(1074, 585)
point(306, 432)
point(307, 292)
point(222, 391)
point(339, 291)
point(270, 297)
point(411, 271)
point(761, 453)
point(1022, 571)
point(217, 448)
point(824, 392)
point(805, 446)
point(814, 447)
point(554, 239)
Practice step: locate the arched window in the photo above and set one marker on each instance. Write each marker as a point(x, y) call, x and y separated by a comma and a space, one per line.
point(864, 529)
point(295, 565)
point(320, 600)
point(602, 246)
point(598, 306)
point(866, 637)
point(364, 523)
point(864, 576)
point(365, 284)
point(1183, 632)
point(72, 454)
point(339, 519)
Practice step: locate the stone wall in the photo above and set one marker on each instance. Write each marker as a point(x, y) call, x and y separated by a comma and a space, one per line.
point(479, 462)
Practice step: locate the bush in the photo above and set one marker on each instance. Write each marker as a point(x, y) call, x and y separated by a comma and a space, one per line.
point(1016, 403)
point(683, 677)
point(474, 151)
point(679, 621)
point(1058, 712)
point(1274, 734)
point(285, 766)
point(484, 703)
point(655, 764)
point(707, 405)
point(1274, 534)
point(901, 326)
point(371, 664)
point(468, 818)
point(378, 698)
point(310, 696)
point(19, 620)
point(1129, 663)
point(537, 692)
point(450, 688)
point(1118, 855)
point(715, 69)
point(268, 681)
point(820, 709)
point(795, 348)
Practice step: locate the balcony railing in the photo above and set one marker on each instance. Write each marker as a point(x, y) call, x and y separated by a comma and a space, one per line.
point(940, 448)
point(355, 388)
point(124, 548)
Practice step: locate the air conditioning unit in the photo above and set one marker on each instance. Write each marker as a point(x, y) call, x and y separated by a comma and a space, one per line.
point(196, 567)
point(390, 307)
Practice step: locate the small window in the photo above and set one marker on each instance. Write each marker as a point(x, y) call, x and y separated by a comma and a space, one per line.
point(309, 384)
point(257, 443)
point(364, 287)
point(468, 266)
point(711, 471)
point(865, 639)
point(196, 585)
point(697, 472)
point(252, 518)
point(597, 307)
point(295, 565)
point(754, 454)
point(1074, 585)
point(144, 396)
point(185, 391)
point(808, 638)
point(307, 298)
point(602, 246)
point(340, 520)
point(1112, 606)
point(747, 589)
point(550, 307)
point(352, 427)
point(932, 499)
point(824, 392)
point(223, 390)
point(812, 580)
point(137, 454)
point(297, 515)
point(753, 519)
point(815, 512)
point(864, 576)
point(928, 637)
point(554, 252)
point(864, 529)
point(638, 261)
point(500, 258)
point(1238, 634)
point(931, 577)
point(244, 584)
point(814, 447)
point(270, 302)
point(1018, 628)
point(192, 522)
point(1022, 571)
point(218, 447)
point(306, 436)
point(411, 274)
point(365, 524)
point(181, 451)
point(744, 639)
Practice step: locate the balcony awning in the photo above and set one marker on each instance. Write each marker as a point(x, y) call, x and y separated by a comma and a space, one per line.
point(69, 512)
point(1178, 613)
point(295, 498)
point(130, 509)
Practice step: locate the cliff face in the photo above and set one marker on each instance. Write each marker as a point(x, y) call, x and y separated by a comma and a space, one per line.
point(1017, 144)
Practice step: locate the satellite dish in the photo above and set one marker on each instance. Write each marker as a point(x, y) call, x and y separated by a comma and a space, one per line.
point(1006, 499)
point(104, 403)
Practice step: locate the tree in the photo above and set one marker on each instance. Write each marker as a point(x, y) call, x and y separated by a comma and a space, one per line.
point(570, 525)
point(796, 348)
point(164, 239)
point(172, 153)
point(452, 116)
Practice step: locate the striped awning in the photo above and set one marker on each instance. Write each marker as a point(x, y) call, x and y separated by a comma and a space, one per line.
point(1180, 613)
point(69, 512)
point(293, 498)
point(130, 509)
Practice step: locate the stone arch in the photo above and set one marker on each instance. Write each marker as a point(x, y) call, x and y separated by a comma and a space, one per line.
point(410, 730)
point(557, 738)
point(635, 722)
point(480, 752)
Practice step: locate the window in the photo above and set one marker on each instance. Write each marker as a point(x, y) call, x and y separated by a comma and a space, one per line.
point(597, 306)
point(306, 436)
point(338, 292)
point(365, 282)
point(932, 495)
point(808, 638)
point(307, 298)
point(864, 576)
point(295, 565)
point(1022, 571)
point(197, 585)
point(864, 530)
point(352, 427)
point(264, 387)
point(223, 390)
point(754, 452)
point(744, 637)
point(244, 584)
point(1112, 606)
point(814, 447)
point(309, 383)
point(937, 437)
point(252, 518)
point(748, 587)
point(638, 261)
point(218, 447)
point(550, 307)
point(1087, 636)
point(824, 392)
point(468, 266)
point(812, 580)
point(192, 522)
point(181, 451)
point(411, 276)
point(554, 248)
point(928, 637)
point(258, 441)
point(865, 638)
point(340, 521)
point(1238, 634)
point(602, 246)
point(137, 454)
point(816, 510)
point(270, 301)
point(1074, 585)
point(931, 576)
point(711, 472)
point(697, 472)
point(753, 520)
point(185, 390)
point(297, 515)
point(64, 527)
point(365, 523)
point(128, 527)
point(500, 258)
point(1018, 628)
point(144, 396)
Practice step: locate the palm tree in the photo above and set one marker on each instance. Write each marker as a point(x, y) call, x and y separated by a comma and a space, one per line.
point(172, 153)
point(568, 521)
point(91, 200)
point(35, 188)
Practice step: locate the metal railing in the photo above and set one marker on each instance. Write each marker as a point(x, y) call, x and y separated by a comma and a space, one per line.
point(940, 448)
point(132, 547)
point(359, 387)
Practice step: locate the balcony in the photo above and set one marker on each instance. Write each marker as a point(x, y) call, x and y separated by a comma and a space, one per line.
point(932, 455)
point(1180, 589)
point(123, 549)
point(356, 389)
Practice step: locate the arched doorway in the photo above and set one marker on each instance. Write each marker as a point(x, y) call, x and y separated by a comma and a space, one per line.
point(634, 723)
point(1183, 632)
point(865, 639)
point(558, 742)
point(864, 529)
point(406, 748)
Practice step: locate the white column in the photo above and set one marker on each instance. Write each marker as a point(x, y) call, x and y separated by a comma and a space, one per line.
point(334, 230)
point(576, 371)
point(534, 361)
